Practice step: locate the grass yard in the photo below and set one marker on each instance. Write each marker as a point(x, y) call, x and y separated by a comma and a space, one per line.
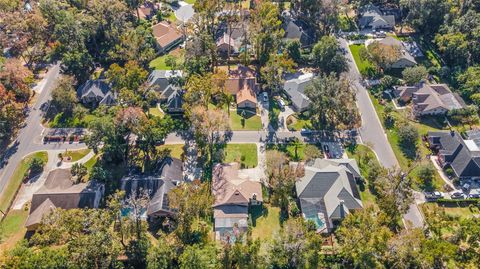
point(405, 161)
point(159, 62)
point(190, 1)
point(362, 65)
point(245, 154)
point(297, 122)
point(75, 155)
point(176, 150)
point(361, 153)
point(154, 111)
point(273, 113)
point(462, 212)
point(289, 149)
point(266, 222)
point(10, 190)
point(252, 123)
point(13, 229)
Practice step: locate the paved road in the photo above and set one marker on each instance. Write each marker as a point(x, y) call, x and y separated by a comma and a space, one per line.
point(26, 140)
point(371, 132)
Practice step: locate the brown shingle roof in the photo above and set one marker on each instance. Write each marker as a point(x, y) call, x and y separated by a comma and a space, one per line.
point(246, 94)
point(165, 34)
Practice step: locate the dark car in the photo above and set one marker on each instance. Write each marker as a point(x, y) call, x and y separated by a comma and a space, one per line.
point(457, 195)
point(326, 149)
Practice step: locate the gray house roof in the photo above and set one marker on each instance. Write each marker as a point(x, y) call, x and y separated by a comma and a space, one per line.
point(296, 29)
point(157, 187)
point(370, 16)
point(328, 188)
point(456, 152)
point(59, 191)
point(295, 89)
point(404, 54)
point(162, 81)
point(97, 92)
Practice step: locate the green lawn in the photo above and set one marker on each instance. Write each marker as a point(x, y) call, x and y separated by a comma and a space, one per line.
point(191, 1)
point(13, 225)
point(159, 62)
point(176, 150)
point(9, 192)
point(289, 149)
point(75, 155)
point(404, 161)
point(245, 154)
point(273, 113)
point(362, 65)
point(360, 153)
point(252, 123)
point(297, 122)
point(462, 212)
point(154, 111)
point(266, 222)
point(171, 17)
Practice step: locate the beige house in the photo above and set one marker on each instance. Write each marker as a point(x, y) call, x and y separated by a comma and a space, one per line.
point(429, 99)
point(234, 195)
point(167, 36)
point(242, 83)
point(246, 98)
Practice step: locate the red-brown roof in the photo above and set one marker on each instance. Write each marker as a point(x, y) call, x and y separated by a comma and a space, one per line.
point(165, 33)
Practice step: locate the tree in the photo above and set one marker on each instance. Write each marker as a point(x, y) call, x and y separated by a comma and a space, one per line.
point(135, 45)
point(361, 249)
point(36, 166)
point(413, 75)
point(64, 96)
point(281, 178)
point(207, 125)
point(293, 51)
point(16, 78)
point(467, 115)
point(383, 55)
point(320, 15)
point(311, 152)
point(79, 170)
point(10, 114)
point(425, 15)
point(296, 246)
point(408, 139)
point(129, 121)
point(266, 30)
point(327, 94)
point(454, 48)
point(161, 256)
point(198, 257)
point(470, 81)
point(425, 174)
point(394, 195)
point(273, 71)
point(326, 56)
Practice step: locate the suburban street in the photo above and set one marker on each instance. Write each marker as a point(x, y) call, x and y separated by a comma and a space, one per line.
point(373, 134)
point(371, 131)
point(25, 142)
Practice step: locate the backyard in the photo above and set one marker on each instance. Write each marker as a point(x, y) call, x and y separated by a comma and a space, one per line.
point(245, 154)
point(266, 222)
point(160, 64)
point(12, 228)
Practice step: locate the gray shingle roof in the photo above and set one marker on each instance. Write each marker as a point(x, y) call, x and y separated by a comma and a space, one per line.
point(295, 89)
point(371, 15)
point(96, 91)
point(157, 187)
point(326, 186)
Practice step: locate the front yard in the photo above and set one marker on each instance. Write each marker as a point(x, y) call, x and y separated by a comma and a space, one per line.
point(363, 154)
point(462, 212)
point(251, 122)
point(10, 190)
point(176, 150)
point(363, 65)
point(75, 155)
point(297, 122)
point(245, 154)
point(12, 228)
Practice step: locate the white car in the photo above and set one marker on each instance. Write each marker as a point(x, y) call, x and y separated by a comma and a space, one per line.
point(265, 97)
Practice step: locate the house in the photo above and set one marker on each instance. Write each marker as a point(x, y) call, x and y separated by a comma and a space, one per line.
point(147, 10)
point(166, 36)
point(157, 187)
point(231, 38)
point(234, 195)
point(405, 59)
point(165, 82)
point(371, 17)
point(298, 30)
point(242, 83)
point(96, 92)
point(295, 90)
point(59, 191)
point(429, 99)
point(462, 156)
point(328, 191)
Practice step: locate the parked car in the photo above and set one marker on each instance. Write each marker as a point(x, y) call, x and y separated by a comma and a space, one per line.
point(474, 196)
point(457, 195)
point(265, 97)
point(326, 149)
point(432, 196)
point(281, 104)
point(305, 131)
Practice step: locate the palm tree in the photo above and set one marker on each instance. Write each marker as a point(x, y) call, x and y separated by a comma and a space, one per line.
point(296, 143)
point(229, 98)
